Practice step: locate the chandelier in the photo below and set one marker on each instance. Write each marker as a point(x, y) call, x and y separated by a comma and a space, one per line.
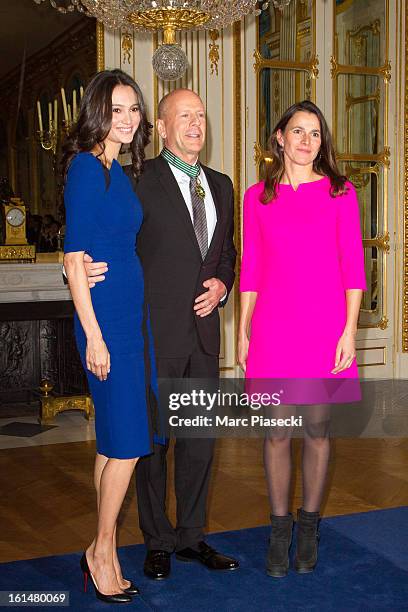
point(169, 60)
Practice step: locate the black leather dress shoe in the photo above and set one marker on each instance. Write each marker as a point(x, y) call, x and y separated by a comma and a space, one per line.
point(208, 557)
point(157, 564)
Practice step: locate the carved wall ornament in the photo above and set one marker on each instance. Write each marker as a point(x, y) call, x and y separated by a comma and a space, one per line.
point(382, 242)
point(384, 158)
point(258, 153)
point(352, 100)
point(374, 27)
point(15, 354)
point(384, 70)
point(261, 154)
point(381, 324)
point(334, 66)
point(21, 253)
point(311, 67)
point(214, 54)
point(49, 350)
point(127, 46)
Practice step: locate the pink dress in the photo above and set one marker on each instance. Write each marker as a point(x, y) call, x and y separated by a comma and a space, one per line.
point(300, 253)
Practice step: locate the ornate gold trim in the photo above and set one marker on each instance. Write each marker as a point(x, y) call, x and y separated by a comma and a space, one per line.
point(384, 70)
point(100, 46)
point(260, 154)
point(382, 158)
point(214, 53)
point(360, 171)
point(405, 221)
point(373, 27)
point(17, 253)
point(382, 242)
point(236, 30)
point(310, 67)
point(381, 324)
point(351, 100)
point(127, 46)
point(51, 406)
point(168, 18)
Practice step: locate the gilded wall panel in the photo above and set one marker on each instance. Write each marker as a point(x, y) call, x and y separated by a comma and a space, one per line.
point(361, 76)
point(286, 65)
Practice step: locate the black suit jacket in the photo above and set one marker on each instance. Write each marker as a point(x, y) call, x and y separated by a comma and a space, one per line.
point(174, 271)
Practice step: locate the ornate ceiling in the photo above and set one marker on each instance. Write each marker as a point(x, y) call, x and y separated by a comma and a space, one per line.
point(22, 22)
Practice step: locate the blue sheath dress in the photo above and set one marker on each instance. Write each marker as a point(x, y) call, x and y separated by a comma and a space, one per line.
point(103, 217)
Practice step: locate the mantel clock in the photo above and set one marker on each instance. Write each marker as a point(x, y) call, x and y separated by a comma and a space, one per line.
point(15, 247)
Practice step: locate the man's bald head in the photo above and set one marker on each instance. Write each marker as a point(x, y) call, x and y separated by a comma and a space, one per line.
point(181, 123)
point(172, 97)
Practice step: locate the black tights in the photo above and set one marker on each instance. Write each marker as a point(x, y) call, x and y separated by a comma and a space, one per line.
point(315, 458)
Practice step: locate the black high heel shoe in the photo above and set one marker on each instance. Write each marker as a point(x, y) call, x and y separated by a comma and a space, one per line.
point(132, 589)
point(115, 598)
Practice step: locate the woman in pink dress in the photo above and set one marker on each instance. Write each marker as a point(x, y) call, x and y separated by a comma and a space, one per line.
point(302, 278)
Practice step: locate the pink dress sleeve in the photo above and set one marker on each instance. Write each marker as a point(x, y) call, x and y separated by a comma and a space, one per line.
point(251, 252)
point(350, 244)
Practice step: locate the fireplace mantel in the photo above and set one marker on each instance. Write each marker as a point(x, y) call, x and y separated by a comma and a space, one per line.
point(36, 334)
point(37, 282)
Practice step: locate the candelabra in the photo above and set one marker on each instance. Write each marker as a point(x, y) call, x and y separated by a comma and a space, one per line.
point(49, 138)
point(70, 113)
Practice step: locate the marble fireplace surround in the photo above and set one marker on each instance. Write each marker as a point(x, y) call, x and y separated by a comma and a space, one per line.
point(37, 282)
point(37, 340)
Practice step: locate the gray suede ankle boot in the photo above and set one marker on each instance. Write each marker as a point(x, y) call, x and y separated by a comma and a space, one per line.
point(277, 561)
point(307, 541)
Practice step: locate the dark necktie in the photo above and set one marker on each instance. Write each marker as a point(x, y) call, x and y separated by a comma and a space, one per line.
point(199, 218)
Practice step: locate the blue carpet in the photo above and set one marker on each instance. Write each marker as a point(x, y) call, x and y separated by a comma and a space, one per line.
point(363, 563)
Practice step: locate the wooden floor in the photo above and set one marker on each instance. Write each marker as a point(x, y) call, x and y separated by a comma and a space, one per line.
point(47, 497)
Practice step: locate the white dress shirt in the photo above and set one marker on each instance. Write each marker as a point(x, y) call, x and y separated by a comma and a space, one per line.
point(183, 181)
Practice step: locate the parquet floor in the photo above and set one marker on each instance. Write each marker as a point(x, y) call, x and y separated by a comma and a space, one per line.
point(47, 498)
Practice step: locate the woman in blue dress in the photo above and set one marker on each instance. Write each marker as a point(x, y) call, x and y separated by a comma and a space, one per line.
point(103, 217)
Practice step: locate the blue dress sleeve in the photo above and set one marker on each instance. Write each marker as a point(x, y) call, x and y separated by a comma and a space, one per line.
point(84, 190)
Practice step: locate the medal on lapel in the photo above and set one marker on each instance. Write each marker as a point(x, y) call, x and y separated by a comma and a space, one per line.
point(199, 189)
point(191, 170)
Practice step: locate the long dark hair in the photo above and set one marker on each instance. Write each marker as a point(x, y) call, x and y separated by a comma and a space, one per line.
point(95, 121)
point(324, 164)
